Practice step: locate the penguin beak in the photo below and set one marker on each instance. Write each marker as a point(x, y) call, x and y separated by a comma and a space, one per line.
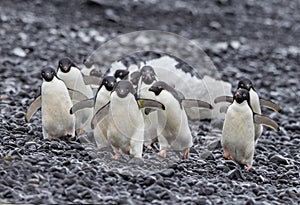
point(248, 86)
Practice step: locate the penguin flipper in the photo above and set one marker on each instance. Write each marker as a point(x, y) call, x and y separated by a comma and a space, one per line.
point(269, 104)
point(266, 121)
point(76, 95)
point(190, 103)
point(88, 103)
point(34, 106)
point(223, 99)
point(91, 80)
point(148, 103)
point(100, 114)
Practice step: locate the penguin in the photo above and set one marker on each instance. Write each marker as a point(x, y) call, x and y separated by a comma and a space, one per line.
point(147, 78)
point(125, 130)
point(55, 103)
point(121, 74)
point(255, 103)
point(134, 78)
point(73, 78)
point(101, 98)
point(173, 129)
point(238, 133)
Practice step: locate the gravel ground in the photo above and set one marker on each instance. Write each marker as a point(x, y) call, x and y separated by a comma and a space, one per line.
point(259, 40)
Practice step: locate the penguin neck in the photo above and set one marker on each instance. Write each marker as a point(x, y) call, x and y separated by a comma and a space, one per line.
point(254, 101)
point(102, 97)
point(241, 107)
point(168, 100)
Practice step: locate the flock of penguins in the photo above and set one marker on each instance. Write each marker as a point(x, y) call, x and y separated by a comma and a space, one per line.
point(133, 109)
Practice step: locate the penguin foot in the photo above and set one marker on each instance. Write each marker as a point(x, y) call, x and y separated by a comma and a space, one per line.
point(149, 147)
point(116, 156)
point(186, 153)
point(162, 153)
point(226, 155)
point(249, 166)
point(79, 131)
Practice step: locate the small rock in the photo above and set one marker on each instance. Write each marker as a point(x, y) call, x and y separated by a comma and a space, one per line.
point(278, 159)
point(167, 173)
point(19, 52)
point(235, 44)
point(235, 174)
point(215, 25)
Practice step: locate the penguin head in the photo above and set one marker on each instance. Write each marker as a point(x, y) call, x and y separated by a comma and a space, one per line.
point(148, 75)
point(121, 74)
point(65, 64)
point(134, 77)
point(109, 82)
point(241, 95)
point(123, 88)
point(48, 74)
point(245, 83)
point(157, 87)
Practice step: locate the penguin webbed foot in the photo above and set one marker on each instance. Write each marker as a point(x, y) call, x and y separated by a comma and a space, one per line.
point(162, 153)
point(249, 166)
point(226, 155)
point(186, 153)
point(79, 131)
point(117, 155)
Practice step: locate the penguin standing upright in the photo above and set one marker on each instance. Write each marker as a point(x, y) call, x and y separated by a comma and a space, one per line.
point(125, 130)
point(238, 134)
point(147, 78)
point(173, 129)
point(73, 78)
point(101, 98)
point(55, 103)
point(255, 103)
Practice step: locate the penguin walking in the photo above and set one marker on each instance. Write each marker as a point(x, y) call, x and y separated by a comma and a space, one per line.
point(55, 103)
point(173, 129)
point(101, 99)
point(125, 130)
point(255, 103)
point(147, 78)
point(73, 78)
point(238, 134)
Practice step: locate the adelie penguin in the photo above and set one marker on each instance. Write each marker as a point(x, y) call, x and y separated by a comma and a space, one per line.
point(238, 134)
point(55, 103)
point(125, 130)
point(73, 78)
point(173, 129)
point(147, 78)
point(101, 98)
point(255, 103)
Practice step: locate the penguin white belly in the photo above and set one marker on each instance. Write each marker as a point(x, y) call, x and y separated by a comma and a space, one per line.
point(173, 128)
point(126, 125)
point(150, 120)
point(73, 79)
point(255, 105)
point(100, 131)
point(56, 105)
point(238, 133)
